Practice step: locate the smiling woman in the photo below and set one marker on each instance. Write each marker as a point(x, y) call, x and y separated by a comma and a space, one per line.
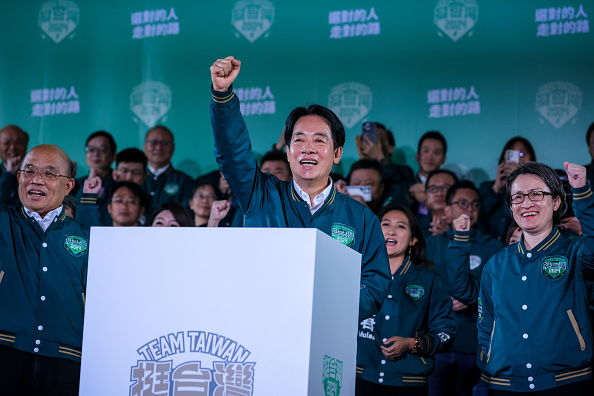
point(515, 316)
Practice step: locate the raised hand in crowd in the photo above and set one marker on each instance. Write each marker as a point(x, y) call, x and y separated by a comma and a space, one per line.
point(92, 185)
point(503, 171)
point(462, 223)
point(439, 225)
point(218, 212)
point(576, 175)
point(13, 164)
point(417, 191)
point(223, 72)
point(572, 224)
point(369, 150)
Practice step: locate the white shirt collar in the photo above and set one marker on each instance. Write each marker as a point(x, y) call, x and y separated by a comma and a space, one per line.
point(318, 199)
point(158, 172)
point(47, 220)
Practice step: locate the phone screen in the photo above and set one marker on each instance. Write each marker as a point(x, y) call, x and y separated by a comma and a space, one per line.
point(369, 129)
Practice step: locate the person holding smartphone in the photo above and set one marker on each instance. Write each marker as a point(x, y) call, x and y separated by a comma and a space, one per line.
point(495, 215)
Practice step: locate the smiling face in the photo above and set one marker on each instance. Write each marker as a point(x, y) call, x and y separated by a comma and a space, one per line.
point(158, 148)
point(98, 153)
point(201, 202)
point(397, 233)
point(464, 197)
point(436, 189)
point(533, 217)
point(311, 153)
point(38, 194)
point(125, 208)
point(13, 144)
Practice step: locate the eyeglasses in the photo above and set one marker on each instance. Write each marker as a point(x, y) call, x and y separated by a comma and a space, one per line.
point(207, 197)
point(92, 150)
point(533, 196)
point(464, 204)
point(154, 143)
point(134, 172)
point(122, 201)
point(433, 189)
point(46, 174)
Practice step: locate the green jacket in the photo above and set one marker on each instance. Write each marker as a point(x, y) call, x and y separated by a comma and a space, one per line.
point(43, 279)
point(483, 248)
point(172, 185)
point(269, 202)
point(534, 320)
point(418, 306)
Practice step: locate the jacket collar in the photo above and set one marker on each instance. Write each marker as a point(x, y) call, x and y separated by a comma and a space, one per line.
point(543, 245)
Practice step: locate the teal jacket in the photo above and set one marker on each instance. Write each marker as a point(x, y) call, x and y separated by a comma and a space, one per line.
point(172, 185)
point(269, 202)
point(43, 279)
point(483, 248)
point(417, 306)
point(534, 321)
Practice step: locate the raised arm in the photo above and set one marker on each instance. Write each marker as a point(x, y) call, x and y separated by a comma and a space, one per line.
point(461, 284)
point(583, 205)
point(233, 150)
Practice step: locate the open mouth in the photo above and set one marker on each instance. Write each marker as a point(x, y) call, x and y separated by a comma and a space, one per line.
point(308, 162)
point(529, 214)
point(36, 193)
point(391, 242)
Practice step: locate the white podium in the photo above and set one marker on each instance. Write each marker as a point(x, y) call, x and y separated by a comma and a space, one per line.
point(220, 312)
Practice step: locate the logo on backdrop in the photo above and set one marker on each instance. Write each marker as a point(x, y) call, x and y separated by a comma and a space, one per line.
point(455, 18)
point(353, 23)
point(252, 18)
point(54, 101)
point(256, 100)
point(332, 376)
point(558, 102)
point(453, 102)
point(58, 19)
point(192, 362)
point(150, 102)
point(557, 21)
point(350, 101)
point(151, 23)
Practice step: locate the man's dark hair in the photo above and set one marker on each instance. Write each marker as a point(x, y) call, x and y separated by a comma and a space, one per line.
point(336, 127)
point(275, 155)
point(589, 133)
point(107, 135)
point(548, 176)
point(434, 135)
point(390, 136)
point(418, 251)
point(136, 190)
point(467, 184)
point(71, 203)
point(180, 214)
point(510, 231)
point(517, 139)
point(439, 172)
point(366, 164)
point(131, 155)
point(205, 182)
point(161, 127)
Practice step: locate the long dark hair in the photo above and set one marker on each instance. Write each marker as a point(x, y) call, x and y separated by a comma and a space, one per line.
point(419, 249)
point(180, 214)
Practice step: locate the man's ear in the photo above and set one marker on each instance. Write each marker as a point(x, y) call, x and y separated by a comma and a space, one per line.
point(337, 155)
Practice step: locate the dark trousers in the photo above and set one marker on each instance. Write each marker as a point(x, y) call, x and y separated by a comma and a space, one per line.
point(367, 388)
point(582, 388)
point(456, 373)
point(27, 374)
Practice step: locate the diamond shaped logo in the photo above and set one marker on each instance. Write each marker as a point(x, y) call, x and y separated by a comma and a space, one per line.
point(150, 101)
point(558, 102)
point(58, 19)
point(455, 18)
point(252, 18)
point(350, 101)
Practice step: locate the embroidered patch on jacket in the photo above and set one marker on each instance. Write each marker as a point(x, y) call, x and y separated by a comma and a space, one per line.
point(480, 310)
point(75, 245)
point(415, 292)
point(475, 261)
point(171, 189)
point(554, 267)
point(343, 234)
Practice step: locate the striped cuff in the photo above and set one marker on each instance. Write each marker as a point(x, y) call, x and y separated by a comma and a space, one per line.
point(88, 199)
point(582, 192)
point(462, 237)
point(222, 97)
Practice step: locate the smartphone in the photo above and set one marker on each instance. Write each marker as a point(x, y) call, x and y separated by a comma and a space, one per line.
point(363, 191)
point(369, 129)
point(513, 156)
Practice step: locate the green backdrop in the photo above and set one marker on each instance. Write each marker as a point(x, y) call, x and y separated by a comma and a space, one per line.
point(478, 71)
